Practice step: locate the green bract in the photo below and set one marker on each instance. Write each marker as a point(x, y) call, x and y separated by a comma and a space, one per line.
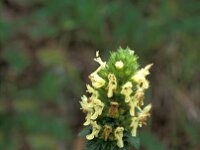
point(114, 105)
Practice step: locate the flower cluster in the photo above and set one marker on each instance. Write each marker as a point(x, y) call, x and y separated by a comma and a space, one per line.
point(114, 105)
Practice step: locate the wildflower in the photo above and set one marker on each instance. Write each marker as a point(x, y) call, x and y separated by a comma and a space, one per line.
point(140, 77)
point(95, 130)
point(139, 96)
point(119, 64)
point(134, 126)
point(119, 136)
point(144, 114)
point(98, 108)
point(92, 91)
point(85, 104)
point(112, 84)
point(133, 103)
point(127, 90)
point(116, 95)
point(97, 81)
point(140, 119)
point(98, 59)
point(88, 118)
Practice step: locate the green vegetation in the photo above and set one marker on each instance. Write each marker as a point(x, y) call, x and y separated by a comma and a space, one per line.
point(46, 48)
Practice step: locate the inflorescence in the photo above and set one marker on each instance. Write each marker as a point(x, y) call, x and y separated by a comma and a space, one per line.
point(114, 105)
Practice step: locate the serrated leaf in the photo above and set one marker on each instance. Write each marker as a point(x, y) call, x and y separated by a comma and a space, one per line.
point(85, 132)
point(134, 141)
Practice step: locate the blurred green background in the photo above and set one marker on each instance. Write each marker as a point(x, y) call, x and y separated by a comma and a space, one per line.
point(46, 52)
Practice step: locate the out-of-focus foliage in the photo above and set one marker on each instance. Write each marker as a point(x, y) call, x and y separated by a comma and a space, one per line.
point(46, 46)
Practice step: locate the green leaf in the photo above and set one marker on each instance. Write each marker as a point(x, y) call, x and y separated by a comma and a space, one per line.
point(51, 56)
point(7, 29)
point(151, 141)
point(134, 141)
point(91, 145)
point(85, 132)
point(36, 123)
point(99, 144)
point(50, 86)
point(16, 59)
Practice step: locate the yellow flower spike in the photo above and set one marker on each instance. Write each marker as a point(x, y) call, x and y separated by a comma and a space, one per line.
point(134, 126)
point(119, 136)
point(114, 105)
point(98, 108)
point(97, 81)
point(112, 84)
point(119, 64)
point(127, 91)
point(95, 131)
point(140, 77)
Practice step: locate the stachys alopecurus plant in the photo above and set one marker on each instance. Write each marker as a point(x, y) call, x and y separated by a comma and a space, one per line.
point(114, 105)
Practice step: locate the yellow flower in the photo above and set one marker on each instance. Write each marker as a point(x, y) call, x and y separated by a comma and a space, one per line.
point(144, 114)
point(85, 104)
point(97, 81)
point(134, 126)
point(119, 64)
point(119, 136)
point(133, 103)
point(92, 91)
point(95, 131)
point(127, 90)
point(140, 77)
point(88, 119)
point(98, 108)
point(99, 60)
point(136, 100)
point(112, 84)
point(140, 119)
point(93, 106)
point(139, 96)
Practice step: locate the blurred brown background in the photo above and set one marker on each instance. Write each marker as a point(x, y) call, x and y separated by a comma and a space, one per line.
point(46, 53)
